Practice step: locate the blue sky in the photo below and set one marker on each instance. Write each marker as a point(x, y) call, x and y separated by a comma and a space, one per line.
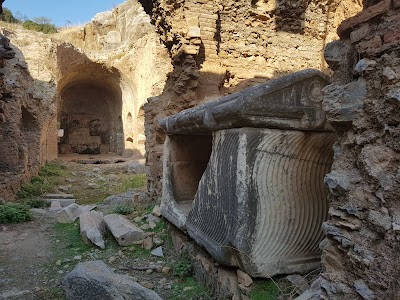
point(59, 11)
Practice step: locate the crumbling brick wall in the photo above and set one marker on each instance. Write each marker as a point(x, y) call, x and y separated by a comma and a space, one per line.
point(362, 246)
point(26, 119)
point(219, 47)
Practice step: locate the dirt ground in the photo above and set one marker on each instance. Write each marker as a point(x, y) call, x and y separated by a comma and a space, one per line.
point(25, 250)
point(34, 256)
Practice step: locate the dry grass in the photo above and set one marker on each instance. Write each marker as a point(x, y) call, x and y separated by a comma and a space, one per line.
point(10, 26)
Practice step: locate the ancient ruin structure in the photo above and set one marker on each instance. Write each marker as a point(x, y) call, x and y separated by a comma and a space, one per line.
point(220, 47)
point(65, 99)
point(223, 167)
point(212, 49)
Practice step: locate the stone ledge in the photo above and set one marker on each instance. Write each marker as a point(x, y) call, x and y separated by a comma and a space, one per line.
point(365, 15)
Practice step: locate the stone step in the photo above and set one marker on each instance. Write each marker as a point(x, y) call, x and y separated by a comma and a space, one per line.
point(58, 196)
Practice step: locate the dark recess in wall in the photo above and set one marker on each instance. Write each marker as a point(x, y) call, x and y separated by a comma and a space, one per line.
point(147, 5)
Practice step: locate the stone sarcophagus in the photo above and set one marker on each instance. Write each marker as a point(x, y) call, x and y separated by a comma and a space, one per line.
point(243, 175)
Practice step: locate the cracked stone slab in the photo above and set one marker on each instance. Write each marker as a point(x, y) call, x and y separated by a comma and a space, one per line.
point(92, 228)
point(124, 231)
point(290, 102)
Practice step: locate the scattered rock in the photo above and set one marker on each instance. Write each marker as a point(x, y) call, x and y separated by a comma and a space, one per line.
point(93, 280)
point(72, 212)
point(157, 211)
point(152, 225)
point(298, 282)
point(136, 167)
point(157, 241)
point(121, 199)
point(145, 227)
point(112, 260)
point(244, 278)
point(148, 243)
point(78, 257)
point(92, 228)
point(157, 252)
point(363, 290)
point(166, 270)
point(124, 231)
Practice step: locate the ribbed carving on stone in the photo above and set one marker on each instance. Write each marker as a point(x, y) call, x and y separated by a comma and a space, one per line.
point(261, 201)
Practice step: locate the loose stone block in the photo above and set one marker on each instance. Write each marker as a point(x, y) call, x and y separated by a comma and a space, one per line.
point(72, 212)
point(93, 280)
point(124, 231)
point(92, 228)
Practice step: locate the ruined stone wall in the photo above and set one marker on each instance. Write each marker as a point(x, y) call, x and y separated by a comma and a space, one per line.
point(362, 245)
point(219, 47)
point(124, 41)
point(28, 136)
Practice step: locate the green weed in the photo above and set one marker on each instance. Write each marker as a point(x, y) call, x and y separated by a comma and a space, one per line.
point(183, 267)
point(69, 235)
point(14, 213)
point(189, 289)
point(135, 181)
point(51, 293)
point(43, 183)
point(267, 290)
point(37, 203)
point(123, 209)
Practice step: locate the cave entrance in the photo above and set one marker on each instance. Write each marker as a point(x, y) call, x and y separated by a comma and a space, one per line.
point(90, 118)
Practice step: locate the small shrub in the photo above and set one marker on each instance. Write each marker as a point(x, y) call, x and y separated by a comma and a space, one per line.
point(183, 267)
point(37, 187)
point(45, 28)
point(52, 170)
point(123, 210)
point(14, 213)
point(42, 183)
point(37, 203)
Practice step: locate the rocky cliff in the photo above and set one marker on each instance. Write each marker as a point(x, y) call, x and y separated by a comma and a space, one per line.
point(361, 248)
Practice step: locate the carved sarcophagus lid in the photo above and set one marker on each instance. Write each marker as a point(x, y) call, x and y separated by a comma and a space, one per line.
point(290, 102)
point(253, 197)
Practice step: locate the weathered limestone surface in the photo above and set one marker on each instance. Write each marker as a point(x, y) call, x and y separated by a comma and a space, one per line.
point(92, 228)
point(124, 231)
point(93, 280)
point(361, 249)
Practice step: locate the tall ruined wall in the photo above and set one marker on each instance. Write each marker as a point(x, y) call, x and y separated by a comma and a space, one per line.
point(220, 47)
point(28, 135)
point(361, 251)
point(124, 41)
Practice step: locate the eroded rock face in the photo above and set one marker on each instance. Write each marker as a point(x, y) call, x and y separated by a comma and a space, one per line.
point(361, 247)
point(27, 111)
point(252, 197)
